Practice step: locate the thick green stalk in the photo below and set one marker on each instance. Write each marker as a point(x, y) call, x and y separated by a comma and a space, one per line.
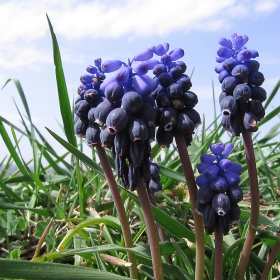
point(120, 209)
point(151, 230)
point(270, 261)
point(198, 224)
point(255, 203)
point(218, 253)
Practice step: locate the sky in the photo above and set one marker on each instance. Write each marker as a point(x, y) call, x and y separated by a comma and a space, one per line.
point(119, 29)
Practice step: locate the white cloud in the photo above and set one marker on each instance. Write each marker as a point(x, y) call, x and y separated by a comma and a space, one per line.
point(23, 24)
point(266, 6)
point(79, 19)
point(12, 57)
point(139, 18)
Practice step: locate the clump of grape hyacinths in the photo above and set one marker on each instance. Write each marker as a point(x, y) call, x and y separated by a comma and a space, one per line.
point(242, 95)
point(219, 190)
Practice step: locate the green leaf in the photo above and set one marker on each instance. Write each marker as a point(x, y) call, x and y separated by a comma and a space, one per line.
point(272, 95)
point(43, 177)
point(85, 159)
point(245, 215)
point(108, 220)
point(12, 149)
point(15, 254)
point(266, 234)
point(41, 147)
point(189, 266)
point(32, 139)
point(270, 116)
point(14, 269)
point(267, 173)
point(42, 212)
point(270, 135)
point(31, 133)
point(204, 148)
point(9, 193)
point(149, 273)
point(260, 264)
point(171, 174)
point(44, 189)
point(65, 109)
point(143, 255)
point(21, 94)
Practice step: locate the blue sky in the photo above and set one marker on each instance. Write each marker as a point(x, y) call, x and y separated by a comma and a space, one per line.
point(118, 30)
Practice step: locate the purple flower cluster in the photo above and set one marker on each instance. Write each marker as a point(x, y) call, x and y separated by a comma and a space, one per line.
point(120, 112)
point(219, 190)
point(174, 100)
point(242, 95)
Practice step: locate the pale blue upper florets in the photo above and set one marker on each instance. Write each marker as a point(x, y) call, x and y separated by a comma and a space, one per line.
point(242, 95)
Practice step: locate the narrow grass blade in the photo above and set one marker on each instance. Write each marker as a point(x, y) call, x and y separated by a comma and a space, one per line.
point(38, 184)
point(272, 95)
point(14, 269)
point(270, 116)
point(9, 193)
point(143, 255)
point(21, 94)
point(11, 149)
point(85, 159)
point(25, 104)
point(273, 132)
point(43, 177)
point(42, 212)
point(65, 107)
point(189, 266)
point(171, 174)
point(205, 146)
point(40, 146)
point(267, 173)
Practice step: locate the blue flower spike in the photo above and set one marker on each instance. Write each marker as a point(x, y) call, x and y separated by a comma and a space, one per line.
point(219, 191)
point(241, 82)
point(131, 108)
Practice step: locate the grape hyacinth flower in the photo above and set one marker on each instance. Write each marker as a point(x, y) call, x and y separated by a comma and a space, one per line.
point(173, 97)
point(219, 190)
point(130, 105)
point(242, 95)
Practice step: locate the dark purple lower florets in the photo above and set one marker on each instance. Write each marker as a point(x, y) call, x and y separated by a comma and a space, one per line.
point(219, 191)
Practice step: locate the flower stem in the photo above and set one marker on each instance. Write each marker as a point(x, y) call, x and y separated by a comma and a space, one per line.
point(159, 227)
point(255, 203)
point(120, 209)
point(198, 224)
point(271, 260)
point(151, 230)
point(218, 253)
